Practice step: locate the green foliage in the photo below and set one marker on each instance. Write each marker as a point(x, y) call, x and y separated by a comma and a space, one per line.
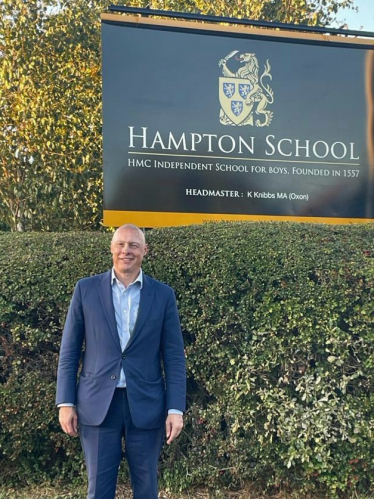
point(278, 323)
point(38, 276)
point(278, 328)
point(310, 12)
point(50, 120)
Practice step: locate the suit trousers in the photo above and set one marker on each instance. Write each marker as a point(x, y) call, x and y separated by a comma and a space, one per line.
point(102, 447)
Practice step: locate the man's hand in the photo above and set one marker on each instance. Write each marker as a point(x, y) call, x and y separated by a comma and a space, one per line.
point(174, 425)
point(69, 420)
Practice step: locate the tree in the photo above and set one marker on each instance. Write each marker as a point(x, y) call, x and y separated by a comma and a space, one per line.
point(310, 12)
point(50, 120)
point(50, 100)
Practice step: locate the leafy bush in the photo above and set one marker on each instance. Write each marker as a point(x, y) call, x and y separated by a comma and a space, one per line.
point(279, 335)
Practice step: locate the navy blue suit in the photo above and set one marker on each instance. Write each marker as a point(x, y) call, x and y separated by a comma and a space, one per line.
point(154, 366)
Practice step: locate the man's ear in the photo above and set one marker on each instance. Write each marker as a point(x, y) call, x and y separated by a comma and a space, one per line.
point(145, 249)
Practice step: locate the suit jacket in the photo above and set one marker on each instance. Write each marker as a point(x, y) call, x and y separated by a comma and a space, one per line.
point(153, 360)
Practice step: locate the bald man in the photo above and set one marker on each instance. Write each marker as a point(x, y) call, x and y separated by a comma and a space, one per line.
point(132, 384)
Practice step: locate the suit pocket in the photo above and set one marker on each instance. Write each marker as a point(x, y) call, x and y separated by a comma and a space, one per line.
point(148, 389)
point(86, 374)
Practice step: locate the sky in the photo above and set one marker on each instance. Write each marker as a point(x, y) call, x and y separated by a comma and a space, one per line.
point(361, 20)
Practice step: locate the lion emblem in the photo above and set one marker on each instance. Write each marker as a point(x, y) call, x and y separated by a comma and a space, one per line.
point(243, 93)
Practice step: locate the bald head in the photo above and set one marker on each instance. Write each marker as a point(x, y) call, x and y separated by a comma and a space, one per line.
point(129, 227)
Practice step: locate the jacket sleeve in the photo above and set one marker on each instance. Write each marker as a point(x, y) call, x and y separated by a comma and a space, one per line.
point(70, 350)
point(172, 350)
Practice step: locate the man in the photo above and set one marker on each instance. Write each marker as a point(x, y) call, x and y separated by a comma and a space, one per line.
point(129, 325)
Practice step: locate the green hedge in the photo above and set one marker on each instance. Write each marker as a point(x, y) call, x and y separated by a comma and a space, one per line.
point(278, 322)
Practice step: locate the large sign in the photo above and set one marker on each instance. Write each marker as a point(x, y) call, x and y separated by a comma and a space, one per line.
point(205, 123)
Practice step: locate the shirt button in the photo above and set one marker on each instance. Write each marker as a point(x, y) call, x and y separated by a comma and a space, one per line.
point(113, 376)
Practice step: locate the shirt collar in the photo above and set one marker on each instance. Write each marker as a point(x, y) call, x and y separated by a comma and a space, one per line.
point(139, 279)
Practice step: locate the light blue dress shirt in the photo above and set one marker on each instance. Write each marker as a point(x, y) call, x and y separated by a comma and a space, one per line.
point(126, 307)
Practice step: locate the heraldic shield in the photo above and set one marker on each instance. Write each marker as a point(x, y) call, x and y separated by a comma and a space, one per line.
point(233, 94)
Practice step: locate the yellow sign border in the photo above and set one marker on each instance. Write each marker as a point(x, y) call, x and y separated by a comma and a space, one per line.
point(168, 219)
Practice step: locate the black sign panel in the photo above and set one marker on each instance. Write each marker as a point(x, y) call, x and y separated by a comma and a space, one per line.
point(207, 124)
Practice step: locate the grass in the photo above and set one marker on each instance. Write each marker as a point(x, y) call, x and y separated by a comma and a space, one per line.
point(49, 492)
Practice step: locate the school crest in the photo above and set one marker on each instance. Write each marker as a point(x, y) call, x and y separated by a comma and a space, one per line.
point(243, 93)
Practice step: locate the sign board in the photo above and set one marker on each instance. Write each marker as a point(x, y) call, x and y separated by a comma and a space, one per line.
point(204, 122)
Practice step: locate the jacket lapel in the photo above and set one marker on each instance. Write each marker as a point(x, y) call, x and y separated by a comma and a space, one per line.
point(105, 293)
point(146, 299)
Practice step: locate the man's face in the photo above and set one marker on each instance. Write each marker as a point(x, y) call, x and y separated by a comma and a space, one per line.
point(128, 249)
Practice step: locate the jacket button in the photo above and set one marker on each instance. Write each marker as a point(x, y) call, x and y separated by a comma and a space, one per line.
point(123, 356)
point(113, 376)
